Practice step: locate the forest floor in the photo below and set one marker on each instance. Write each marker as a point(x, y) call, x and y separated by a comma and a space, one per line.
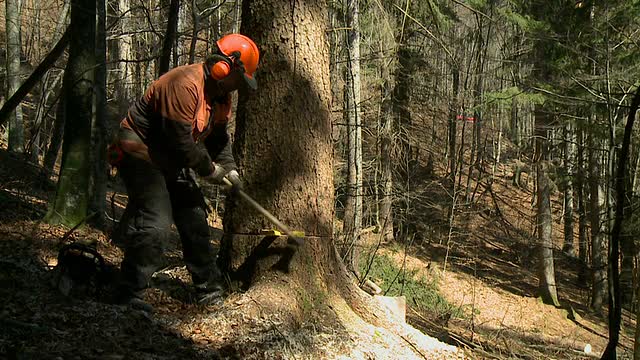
point(487, 272)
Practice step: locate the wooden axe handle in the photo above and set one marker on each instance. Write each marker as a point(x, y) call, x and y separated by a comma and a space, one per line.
point(282, 227)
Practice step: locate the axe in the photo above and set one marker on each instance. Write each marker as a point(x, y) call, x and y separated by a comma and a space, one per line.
point(272, 219)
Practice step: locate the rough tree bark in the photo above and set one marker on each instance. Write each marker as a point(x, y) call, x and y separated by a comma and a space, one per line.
point(69, 206)
point(284, 150)
point(285, 154)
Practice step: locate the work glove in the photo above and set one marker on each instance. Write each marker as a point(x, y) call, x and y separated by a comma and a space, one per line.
point(234, 178)
point(219, 172)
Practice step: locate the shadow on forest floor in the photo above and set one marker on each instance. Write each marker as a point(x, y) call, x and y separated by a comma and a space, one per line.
point(36, 320)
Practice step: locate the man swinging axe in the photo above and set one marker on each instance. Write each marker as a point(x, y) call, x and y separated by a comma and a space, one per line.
point(179, 124)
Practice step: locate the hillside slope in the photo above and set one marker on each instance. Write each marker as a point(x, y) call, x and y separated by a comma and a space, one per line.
point(38, 322)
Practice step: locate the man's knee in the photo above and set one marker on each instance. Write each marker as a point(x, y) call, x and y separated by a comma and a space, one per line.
point(192, 220)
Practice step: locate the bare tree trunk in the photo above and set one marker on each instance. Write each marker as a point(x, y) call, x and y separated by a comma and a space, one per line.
point(454, 112)
point(498, 141)
point(292, 178)
point(47, 90)
point(583, 276)
point(386, 167)
point(124, 86)
point(569, 158)
point(12, 23)
point(33, 146)
point(69, 206)
point(402, 114)
point(169, 37)
point(546, 272)
point(236, 15)
point(195, 18)
point(56, 136)
point(615, 304)
point(99, 126)
point(353, 207)
point(516, 127)
point(598, 241)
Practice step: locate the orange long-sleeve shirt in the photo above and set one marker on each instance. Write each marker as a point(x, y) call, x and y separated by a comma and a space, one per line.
point(174, 116)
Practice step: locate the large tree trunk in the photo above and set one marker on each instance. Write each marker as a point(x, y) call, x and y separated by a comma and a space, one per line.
point(546, 272)
point(69, 206)
point(16, 126)
point(285, 155)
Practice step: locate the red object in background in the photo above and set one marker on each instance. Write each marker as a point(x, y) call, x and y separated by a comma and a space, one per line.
point(467, 119)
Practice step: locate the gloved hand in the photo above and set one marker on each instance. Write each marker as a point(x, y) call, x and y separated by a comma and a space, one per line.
point(234, 178)
point(220, 172)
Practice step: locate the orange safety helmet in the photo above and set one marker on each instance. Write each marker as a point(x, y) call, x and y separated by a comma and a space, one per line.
point(237, 49)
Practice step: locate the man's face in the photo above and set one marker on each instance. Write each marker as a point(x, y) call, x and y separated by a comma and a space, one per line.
point(232, 82)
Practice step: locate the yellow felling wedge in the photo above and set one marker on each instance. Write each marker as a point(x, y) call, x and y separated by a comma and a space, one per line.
point(274, 232)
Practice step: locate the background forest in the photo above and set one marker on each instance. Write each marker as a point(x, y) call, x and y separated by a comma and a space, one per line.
point(479, 147)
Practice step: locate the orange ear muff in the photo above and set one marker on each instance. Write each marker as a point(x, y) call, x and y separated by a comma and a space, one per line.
point(220, 70)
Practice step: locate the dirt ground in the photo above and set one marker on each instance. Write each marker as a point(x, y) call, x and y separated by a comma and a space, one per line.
point(39, 322)
point(486, 273)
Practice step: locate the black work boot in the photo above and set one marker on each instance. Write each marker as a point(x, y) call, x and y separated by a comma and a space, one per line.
point(209, 293)
point(133, 299)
